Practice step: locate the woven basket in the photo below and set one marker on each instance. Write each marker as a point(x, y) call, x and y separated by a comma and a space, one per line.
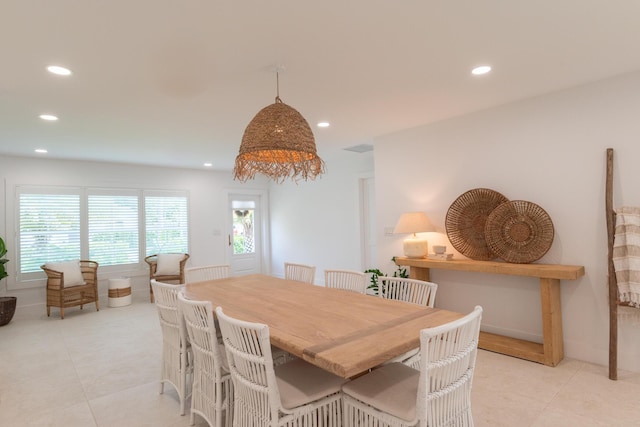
point(519, 231)
point(465, 222)
point(7, 309)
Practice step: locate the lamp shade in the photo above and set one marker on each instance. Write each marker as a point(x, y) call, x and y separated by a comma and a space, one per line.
point(414, 222)
point(278, 143)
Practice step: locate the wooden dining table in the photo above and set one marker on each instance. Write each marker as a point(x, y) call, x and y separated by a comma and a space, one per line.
point(343, 332)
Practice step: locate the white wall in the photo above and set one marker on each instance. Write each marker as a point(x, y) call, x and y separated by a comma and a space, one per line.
point(207, 198)
point(548, 150)
point(318, 222)
point(315, 222)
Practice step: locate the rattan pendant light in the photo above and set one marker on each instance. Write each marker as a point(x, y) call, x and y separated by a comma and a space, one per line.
point(278, 143)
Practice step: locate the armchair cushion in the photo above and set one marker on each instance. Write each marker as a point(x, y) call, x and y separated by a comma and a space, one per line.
point(70, 270)
point(169, 264)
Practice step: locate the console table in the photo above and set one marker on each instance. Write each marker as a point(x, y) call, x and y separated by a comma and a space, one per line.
point(551, 351)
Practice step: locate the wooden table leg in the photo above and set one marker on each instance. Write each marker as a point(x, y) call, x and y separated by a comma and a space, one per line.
point(551, 321)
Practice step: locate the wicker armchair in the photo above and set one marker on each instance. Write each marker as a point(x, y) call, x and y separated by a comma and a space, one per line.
point(161, 276)
point(70, 294)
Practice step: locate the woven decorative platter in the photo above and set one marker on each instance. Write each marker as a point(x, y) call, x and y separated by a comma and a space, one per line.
point(519, 231)
point(465, 222)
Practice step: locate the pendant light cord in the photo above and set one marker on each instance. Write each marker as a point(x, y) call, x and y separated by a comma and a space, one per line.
point(278, 87)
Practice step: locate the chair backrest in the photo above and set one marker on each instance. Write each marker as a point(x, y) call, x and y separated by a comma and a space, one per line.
point(207, 272)
point(171, 320)
point(256, 394)
point(448, 361)
point(408, 290)
point(159, 272)
point(88, 270)
point(201, 329)
point(299, 272)
point(354, 281)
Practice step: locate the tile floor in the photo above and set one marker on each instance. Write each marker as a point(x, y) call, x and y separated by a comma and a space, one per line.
point(101, 369)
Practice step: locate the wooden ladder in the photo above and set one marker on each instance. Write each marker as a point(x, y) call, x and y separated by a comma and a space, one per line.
point(614, 301)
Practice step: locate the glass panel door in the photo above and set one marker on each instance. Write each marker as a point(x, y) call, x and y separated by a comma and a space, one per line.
point(245, 237)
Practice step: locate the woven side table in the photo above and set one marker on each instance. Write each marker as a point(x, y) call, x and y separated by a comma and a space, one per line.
point(119, 292)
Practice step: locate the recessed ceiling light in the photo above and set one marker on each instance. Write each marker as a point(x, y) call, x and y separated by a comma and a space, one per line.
point(48, 117)
point(40, 150)
point(483, 69)
point(61, 71)
point(208, 164)
point(323, 124)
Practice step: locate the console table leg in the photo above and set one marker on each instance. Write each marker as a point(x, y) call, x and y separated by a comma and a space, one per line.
point(551, 321)
point(419, 273)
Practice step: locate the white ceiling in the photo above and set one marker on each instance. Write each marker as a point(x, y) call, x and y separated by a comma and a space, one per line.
point(175, 82)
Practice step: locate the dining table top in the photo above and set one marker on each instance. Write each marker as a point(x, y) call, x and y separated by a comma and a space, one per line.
point(343, 332)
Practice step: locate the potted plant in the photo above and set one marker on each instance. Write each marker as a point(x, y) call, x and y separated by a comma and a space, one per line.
point(7, 304)
point(375, 273)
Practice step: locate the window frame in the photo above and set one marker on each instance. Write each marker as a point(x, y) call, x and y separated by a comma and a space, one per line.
point(40, 190)
point(35, 278)
point(162, 193)
point(115, 193)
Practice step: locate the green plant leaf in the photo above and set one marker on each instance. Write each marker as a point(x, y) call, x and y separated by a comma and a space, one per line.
point(3, 261)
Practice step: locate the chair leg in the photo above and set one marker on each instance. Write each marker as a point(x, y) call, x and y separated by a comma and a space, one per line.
point(62, 312)
point(48, 311)
point(97, 306)
point(183, 380)
point(218, 404)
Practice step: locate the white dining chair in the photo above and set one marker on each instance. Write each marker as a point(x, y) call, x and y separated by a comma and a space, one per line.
point(349, 280)
point(207, 272)
point(299, 272)
point(212, 390)
point(291, 394)
point(439, 394)
point(408, 290)
point(176, 352)
point(412, 291)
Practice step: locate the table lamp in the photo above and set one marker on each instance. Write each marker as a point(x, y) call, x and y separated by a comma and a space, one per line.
point(414, 222)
